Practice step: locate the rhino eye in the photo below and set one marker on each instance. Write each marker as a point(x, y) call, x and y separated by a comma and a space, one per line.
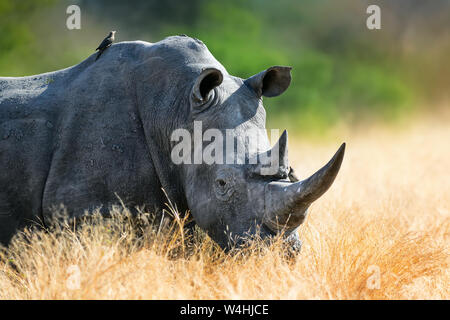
point(224, 185)
point(221, 182)
point(222, 189)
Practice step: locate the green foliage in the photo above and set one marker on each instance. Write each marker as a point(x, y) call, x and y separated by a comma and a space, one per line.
point(17, 41)
point(341, 71)
point(327, 85)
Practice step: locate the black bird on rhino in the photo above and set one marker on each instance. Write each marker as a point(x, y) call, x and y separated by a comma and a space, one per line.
point(106, 43)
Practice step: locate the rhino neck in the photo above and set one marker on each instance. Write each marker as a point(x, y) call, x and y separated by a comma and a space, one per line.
point(157, 126)
point(169, 177)
point(159, 115)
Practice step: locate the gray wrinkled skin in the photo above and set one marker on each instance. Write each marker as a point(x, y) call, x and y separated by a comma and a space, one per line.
point(81, 135)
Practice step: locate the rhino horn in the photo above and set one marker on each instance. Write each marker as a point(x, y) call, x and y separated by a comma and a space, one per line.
point(286, 203)
point(276, 157)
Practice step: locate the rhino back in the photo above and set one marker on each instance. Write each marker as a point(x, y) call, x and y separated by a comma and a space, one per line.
point(72, 137)
point(25, 150)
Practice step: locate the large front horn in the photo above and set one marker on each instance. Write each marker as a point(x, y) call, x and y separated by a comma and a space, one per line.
point(286, 203)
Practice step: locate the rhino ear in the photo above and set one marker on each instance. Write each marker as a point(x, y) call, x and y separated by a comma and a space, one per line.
point(205, 83)
point(271, 82)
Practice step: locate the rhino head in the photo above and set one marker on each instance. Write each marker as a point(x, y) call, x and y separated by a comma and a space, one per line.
point(189, 98)
point(237, 196)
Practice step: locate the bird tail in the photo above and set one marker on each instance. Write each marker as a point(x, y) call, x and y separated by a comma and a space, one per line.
point(98, 55)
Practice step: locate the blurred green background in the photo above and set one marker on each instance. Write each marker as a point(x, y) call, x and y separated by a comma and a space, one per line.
point(343, 73)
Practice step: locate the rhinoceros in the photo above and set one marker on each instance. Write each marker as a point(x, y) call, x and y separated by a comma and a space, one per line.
point(82, 136)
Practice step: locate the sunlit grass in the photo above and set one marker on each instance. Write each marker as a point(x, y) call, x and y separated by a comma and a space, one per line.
point(388, 211)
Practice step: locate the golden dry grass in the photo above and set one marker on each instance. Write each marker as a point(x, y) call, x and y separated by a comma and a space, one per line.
point(387, 212)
